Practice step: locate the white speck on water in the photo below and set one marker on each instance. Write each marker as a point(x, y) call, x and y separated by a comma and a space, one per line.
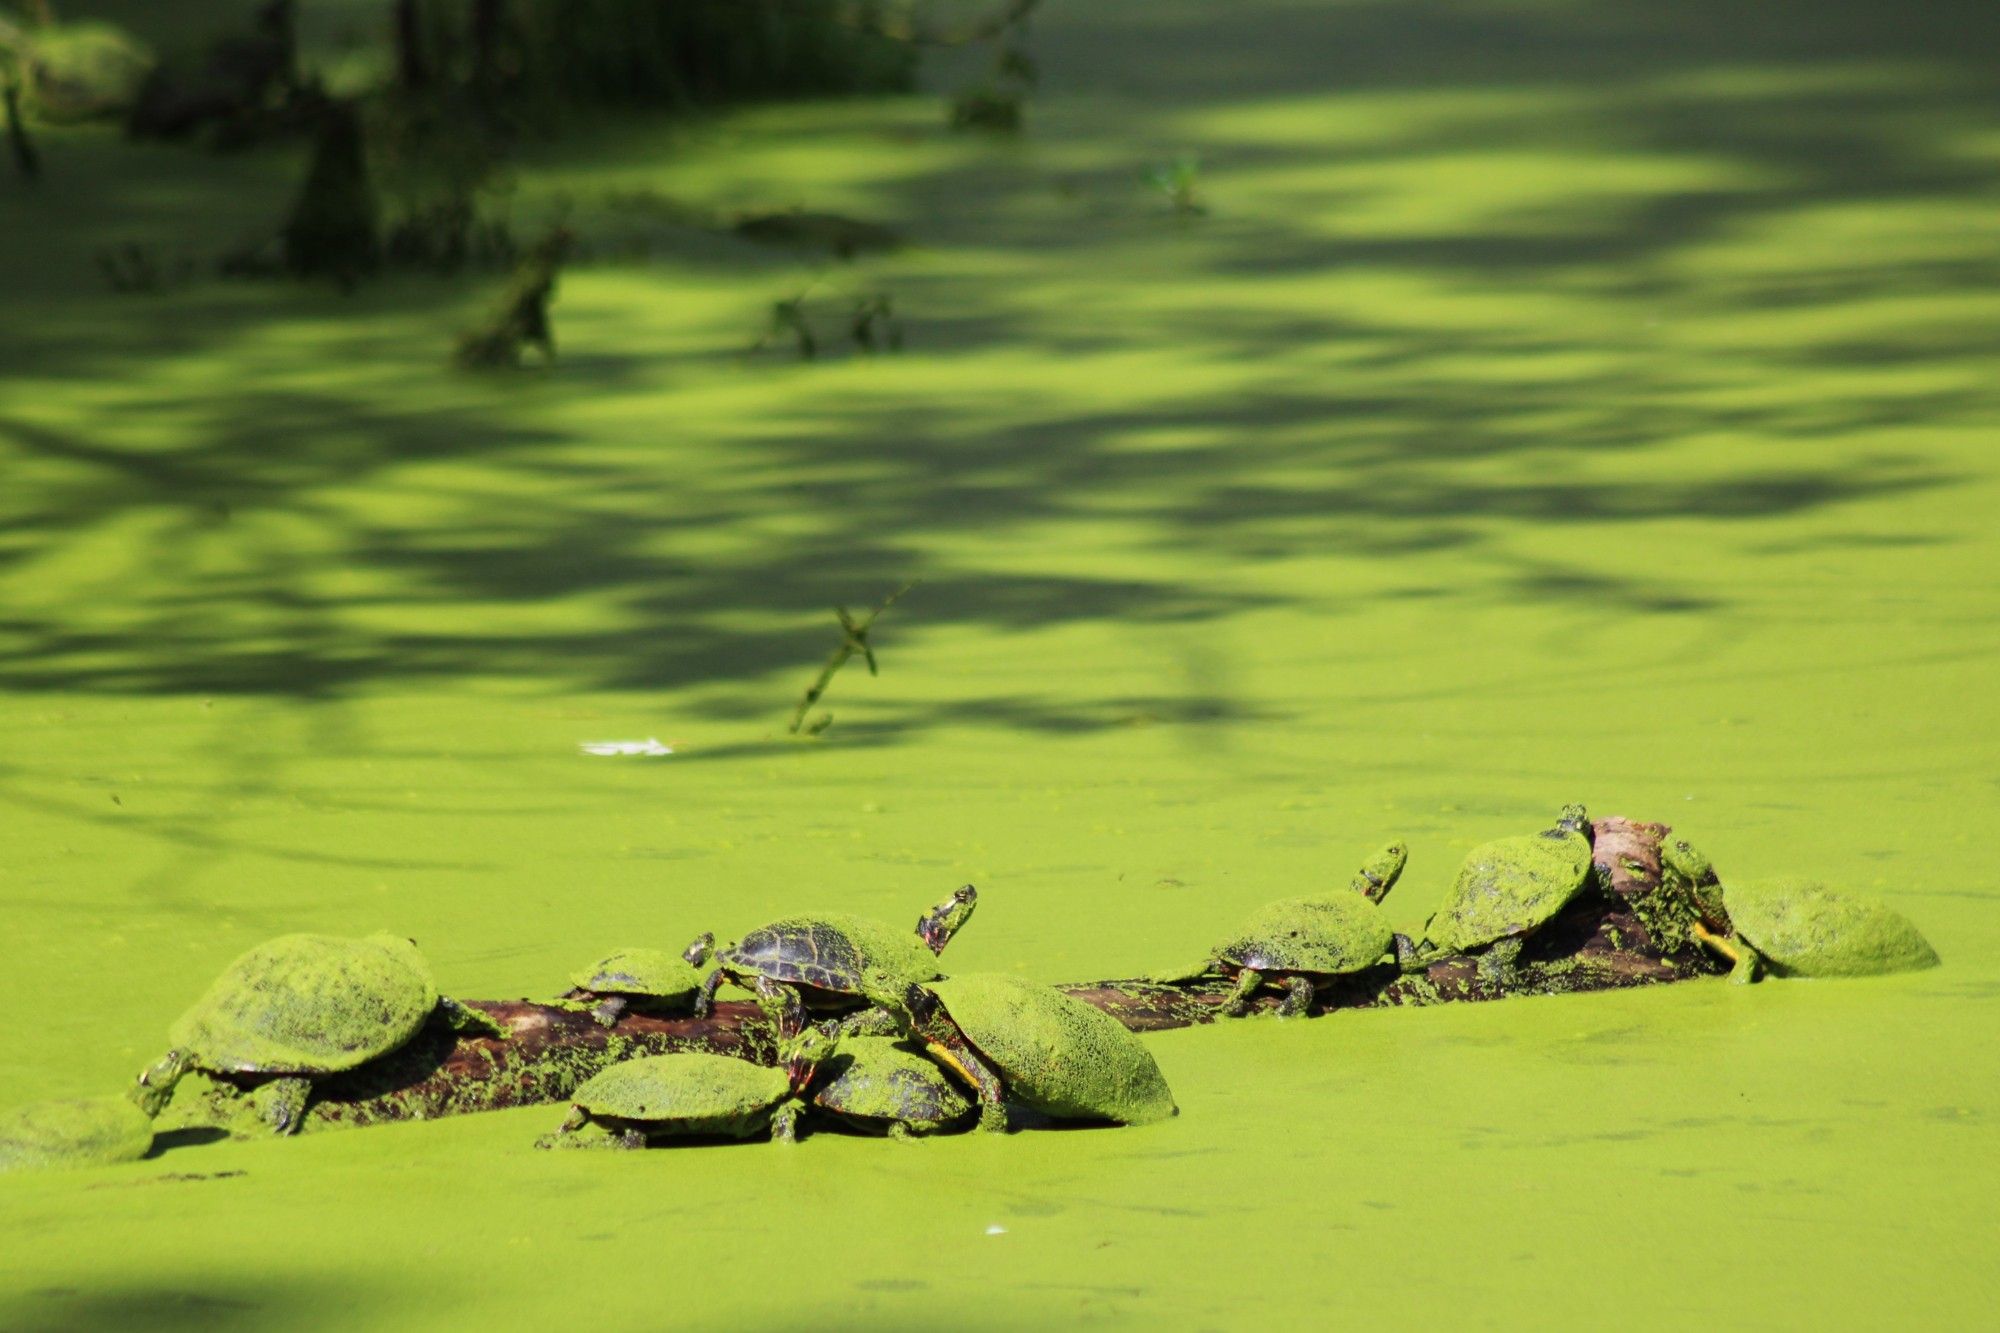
point(996, 1230)
point(651, 745)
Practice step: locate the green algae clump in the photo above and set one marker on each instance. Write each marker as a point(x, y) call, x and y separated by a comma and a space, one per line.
point(79, 71)
point(886, 1086)
point(83, 1131)
point(1015, 1040)
point(1803, 928)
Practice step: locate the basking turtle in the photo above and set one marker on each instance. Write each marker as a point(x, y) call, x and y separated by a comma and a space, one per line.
point(1685, 867)
point(885, 1085)
point(822, 958)
point(1298, 942)
point(83, 1131)
point(1801, 928)
point(299, 1007)
point(643, 979)
point(1012, 1040)
point(1509, 888)
point(692, 1093)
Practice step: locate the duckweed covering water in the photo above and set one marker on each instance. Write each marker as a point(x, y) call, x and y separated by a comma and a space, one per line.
point(1585, 400)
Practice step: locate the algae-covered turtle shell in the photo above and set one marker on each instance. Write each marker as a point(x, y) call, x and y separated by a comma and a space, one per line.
point(309, 1004)
point(643, 978)
point(1297, 941)
point(1051, 1053)
point(1511, 886)
point(824, 956)
point(886, 1085)
point(298, 1007)
point(691, 1093)
point(84, 1131)
point(1802, 928)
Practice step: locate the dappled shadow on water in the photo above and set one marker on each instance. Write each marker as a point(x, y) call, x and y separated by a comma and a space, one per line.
point(285, 530)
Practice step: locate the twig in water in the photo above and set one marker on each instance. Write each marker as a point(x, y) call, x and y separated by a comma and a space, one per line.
point(854, 639)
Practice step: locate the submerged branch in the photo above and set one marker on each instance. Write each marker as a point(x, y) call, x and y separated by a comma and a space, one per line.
point(1635, 935)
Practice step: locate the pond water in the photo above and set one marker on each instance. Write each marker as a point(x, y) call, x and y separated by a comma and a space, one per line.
point(1558, 401)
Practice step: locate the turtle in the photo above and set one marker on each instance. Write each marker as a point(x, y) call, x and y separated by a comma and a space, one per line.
point(692, 1093)
point(642, 979)
point(1507, 889)
point(1803, 928)
point(1685, 867)
point(298, 1007)
point(79, 1131)
point(1013, 1040)
point(822, 957)
point(885, 1085)
point(1296, 942)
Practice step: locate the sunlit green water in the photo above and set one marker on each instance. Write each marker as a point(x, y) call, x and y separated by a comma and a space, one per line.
point(1562, 400)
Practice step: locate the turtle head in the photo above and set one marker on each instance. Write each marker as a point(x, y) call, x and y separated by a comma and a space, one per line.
point(1694, 874)
point(801, 1054)
point(701, 950)
point(1380, 872)
point(937, 926)
point(1574, 819)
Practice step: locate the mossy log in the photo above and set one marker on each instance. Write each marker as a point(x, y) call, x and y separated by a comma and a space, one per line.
point(1635, 935)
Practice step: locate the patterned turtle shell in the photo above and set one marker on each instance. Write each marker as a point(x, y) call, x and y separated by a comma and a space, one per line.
point(307, 1004)
point(829, 952)
point(1802, 928)
point(650, 973)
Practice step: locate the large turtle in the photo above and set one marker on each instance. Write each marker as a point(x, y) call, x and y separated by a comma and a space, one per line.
point(692, 1094)
point(1802, 928)
point(1509, 888)
point(646, 979)
point(822, 958)
point(1013, 1040)
point(1297, 943)
point(884, 1085)
point(82, 1131)
point(297, 1008)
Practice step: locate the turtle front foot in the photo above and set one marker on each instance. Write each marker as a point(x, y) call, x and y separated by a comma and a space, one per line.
point(608, 1013)
point(993, 1118)
point(469, 1021)
point(1298, 998)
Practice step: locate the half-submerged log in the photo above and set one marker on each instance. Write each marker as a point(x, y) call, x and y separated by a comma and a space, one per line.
point(1634, 934)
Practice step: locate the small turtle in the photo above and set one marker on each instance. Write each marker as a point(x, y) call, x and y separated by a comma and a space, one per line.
point(83, 1131)
point(1298, 942)
point(299, 1007)
point(692, 1093)
point(885, 1085)
point(822, 958)
point(1509, 888)
point(1685, 867)
point(645, 979)
point(1012, 1040)
point(1801, 928)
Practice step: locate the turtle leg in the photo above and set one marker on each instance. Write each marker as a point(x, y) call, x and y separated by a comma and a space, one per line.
point(1175, 978)
point(901, 1131)
point(1496, 965)
point(704, 999)
point(1247, 982)
point(785, 1122)
point(578, 1130)
point(156, 1083)
point(1749, 964)
point(610, 1010)
point(871, 1022)
point(281, 1103)
point(1409, 957)
point(1298, 997)
point(461, 1018)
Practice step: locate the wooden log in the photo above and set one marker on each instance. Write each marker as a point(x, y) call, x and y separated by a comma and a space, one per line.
point(1635, 932)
